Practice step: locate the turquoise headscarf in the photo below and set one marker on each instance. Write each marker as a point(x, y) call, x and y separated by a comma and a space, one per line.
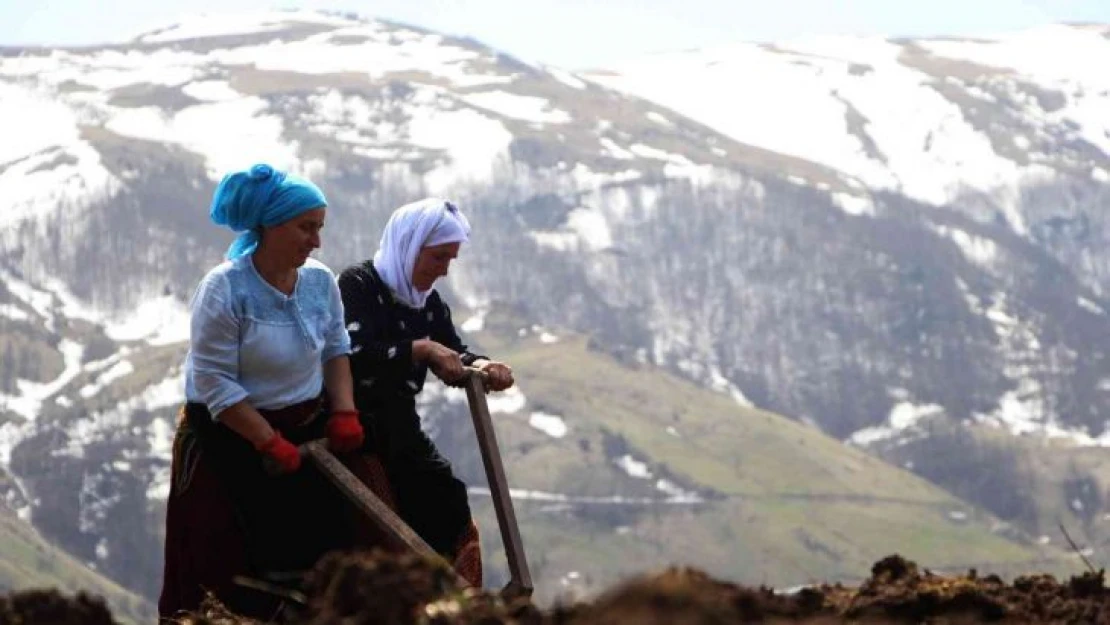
point(261, 196)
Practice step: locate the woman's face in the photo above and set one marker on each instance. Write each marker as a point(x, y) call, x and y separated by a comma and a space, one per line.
point(296, 238)
point(432, 264)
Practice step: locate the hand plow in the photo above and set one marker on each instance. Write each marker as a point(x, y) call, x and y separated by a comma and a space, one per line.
point(520, 579)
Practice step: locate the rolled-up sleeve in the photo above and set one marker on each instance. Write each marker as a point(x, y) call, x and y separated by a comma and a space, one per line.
point(214, 342)
point(337, 341)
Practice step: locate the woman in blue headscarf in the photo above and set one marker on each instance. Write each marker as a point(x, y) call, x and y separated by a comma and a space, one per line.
point(267, 368)
point(400, 329)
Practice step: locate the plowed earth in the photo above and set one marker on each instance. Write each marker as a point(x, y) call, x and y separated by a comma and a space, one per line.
point(378, 588)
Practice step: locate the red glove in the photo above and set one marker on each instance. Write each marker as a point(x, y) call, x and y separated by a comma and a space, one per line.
point(344, 431)
point(283, 453)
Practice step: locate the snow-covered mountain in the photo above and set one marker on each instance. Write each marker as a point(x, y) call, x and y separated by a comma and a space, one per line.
point(860, 234)
point(1011, 131)
point(933, 119)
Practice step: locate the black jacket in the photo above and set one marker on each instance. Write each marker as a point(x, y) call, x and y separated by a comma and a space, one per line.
point(382, 330)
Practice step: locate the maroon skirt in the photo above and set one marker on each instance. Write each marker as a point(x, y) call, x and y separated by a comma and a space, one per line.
point(228, 519)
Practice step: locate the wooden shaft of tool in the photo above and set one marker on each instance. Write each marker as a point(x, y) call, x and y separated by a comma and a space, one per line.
point(520, 576)
point(368, 503)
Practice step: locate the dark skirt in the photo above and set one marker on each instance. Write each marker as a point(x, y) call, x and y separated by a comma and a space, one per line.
point(227, 517)
point(430, 498)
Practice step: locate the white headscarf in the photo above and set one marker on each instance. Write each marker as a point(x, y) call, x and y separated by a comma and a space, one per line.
point(427, 222)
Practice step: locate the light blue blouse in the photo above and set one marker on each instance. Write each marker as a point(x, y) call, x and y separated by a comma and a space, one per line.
point(250, 341)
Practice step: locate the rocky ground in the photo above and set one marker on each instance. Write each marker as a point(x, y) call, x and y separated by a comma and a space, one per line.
point(371, 589)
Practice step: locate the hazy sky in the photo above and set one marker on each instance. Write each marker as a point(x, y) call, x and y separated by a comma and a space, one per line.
point(572, 33)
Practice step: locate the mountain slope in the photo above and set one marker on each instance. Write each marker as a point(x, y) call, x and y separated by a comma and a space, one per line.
point(999, 145)
point(585, 187)
point(28, 561)
point(616, 469)
point(911, 263)
point(934, 119)
point(1002, 141)
point(1051, 488)
point(665, 472)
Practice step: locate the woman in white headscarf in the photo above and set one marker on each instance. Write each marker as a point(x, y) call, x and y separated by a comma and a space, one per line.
point(400, 328)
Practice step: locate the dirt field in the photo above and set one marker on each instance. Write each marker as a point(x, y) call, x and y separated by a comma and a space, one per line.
point(380, 589)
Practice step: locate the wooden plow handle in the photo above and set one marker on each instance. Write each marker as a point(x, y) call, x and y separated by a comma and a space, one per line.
point(369, 504)
point(520, 579)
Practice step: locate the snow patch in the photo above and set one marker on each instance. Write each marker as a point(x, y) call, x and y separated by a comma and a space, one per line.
point(509, 401)
point(677, 494)
point(585, 230)
point(697, 174)
point(379, 51)
point(106, 70)
point(93, 506)
point(49, 299)
point(1055, 57)
point(474, 324)
point(591, 227)
point(14, 313)
point(160, 432)
point(211, 91)
point(585, 178)
point(463, 144)
point(232, 134)
point(1021, 412)
point(474, 143)
point(903, 416)
point(565, 77)
point(646, 151)
point(202, 26)
point(639, 470)
point(39, 300)
point(552, 425)
point(659, 119)
point(515, 106)
point(159, 436)
point(519, 494)
point(119, 370)
point(798, 99)
point(633, 467)
point(979, 250)
point(854, 204)
point(1023, 409)
point(45, 165)
point(610, 148)
point(1090, 306)
point(29, 396)
point(159, 321)
point(718, 382)
point(556, 240)
point(435, 390)
point(101, 425)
